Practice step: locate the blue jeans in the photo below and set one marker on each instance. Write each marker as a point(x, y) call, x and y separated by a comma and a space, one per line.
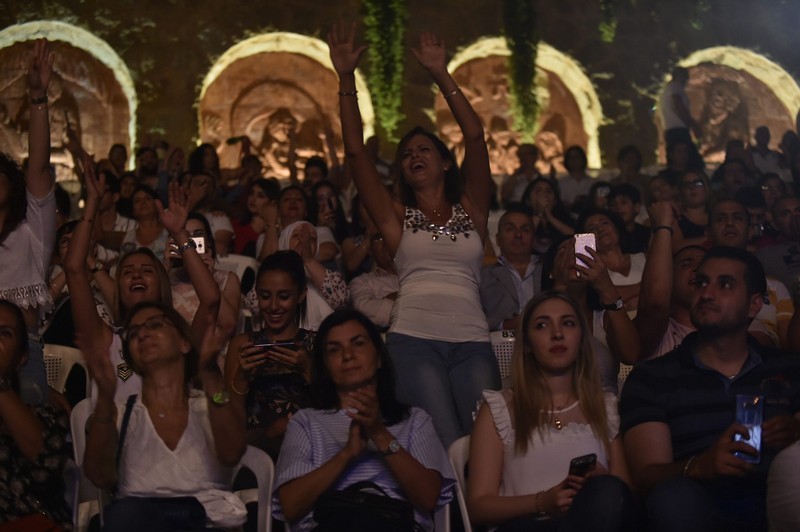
point(687, 505)
point(443, 378)
point(604, 504)
point(33, 389)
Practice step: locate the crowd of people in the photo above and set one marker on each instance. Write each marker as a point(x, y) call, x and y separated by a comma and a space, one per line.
point(362, 349)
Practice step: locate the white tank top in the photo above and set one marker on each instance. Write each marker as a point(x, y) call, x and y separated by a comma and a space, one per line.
point(439, 271)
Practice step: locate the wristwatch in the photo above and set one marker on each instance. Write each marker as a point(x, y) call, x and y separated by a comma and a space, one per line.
point(394, 447)
point(616, 305)
point(190, 244)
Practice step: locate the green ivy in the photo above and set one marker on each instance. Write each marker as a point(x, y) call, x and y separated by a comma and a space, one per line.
point(522, 38)
point(385, 27)
point(608, 20)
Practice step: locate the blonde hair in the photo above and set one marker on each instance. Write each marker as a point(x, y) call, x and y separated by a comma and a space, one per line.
point(164, 286)
point(532, 402)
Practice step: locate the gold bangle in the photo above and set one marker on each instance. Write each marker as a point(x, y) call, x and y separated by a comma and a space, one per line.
point(688, 464)
point(237, 392)
point(451, 94)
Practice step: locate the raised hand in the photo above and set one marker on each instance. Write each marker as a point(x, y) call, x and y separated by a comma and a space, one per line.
point(211, 344)
point(431, 52)
point(101, 369)
point(345, 55)
point(174, 217)
point(40, 69)
point(95, 184)
point(661, 214)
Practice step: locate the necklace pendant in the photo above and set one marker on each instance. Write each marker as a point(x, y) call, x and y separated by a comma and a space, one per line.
point(557, 423)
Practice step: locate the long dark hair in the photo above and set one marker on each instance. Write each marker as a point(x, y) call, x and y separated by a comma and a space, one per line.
point(191, 359)
point(291, 264)
point(17, 203)
point(341, 230)
point(452, 177)
point(323, 387)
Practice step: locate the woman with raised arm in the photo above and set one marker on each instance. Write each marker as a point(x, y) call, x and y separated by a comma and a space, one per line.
point(435, 230)
point(28, 225)
point(169, 449)
point(140, 277)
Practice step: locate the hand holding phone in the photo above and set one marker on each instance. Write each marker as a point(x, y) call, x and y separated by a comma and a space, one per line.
point(580, 466)
point(583, 241)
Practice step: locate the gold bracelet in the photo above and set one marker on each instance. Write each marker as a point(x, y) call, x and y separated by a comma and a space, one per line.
point(451, 94)
point(348, 93)
point(688, 464)
point(237, 392)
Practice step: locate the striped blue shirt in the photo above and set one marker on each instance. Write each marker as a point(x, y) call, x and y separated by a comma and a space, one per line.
point(313, 437)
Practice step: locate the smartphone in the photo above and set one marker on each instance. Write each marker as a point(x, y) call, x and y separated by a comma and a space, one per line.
point(583, 241)
point(750, 413)
point(200, 241)
point(267, 346)
point(581, 465)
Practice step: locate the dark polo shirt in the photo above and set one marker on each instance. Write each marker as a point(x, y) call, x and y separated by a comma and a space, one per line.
point(698, 403)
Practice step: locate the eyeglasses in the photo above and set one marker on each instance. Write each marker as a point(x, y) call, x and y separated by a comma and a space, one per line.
point(697, 183)
point(153, 323)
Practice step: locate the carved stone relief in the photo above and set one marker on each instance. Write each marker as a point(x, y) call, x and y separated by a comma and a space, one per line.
point(269, 97)
point(485, 82)
point(83, 94)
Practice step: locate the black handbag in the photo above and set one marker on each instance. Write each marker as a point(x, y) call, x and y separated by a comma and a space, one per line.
point(354, 508)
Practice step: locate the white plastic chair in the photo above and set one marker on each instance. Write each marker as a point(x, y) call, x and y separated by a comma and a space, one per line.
point(59, 361)
point(458, 453)
point(240, 264)
point(89, 498)
point(262, 467)
point(503, 347)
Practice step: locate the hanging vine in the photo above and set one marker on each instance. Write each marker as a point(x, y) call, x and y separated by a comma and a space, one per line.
point(608, 20)
point(522, 38)
point(385, 27)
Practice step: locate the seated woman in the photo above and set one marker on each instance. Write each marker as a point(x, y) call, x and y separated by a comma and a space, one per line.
point(272, 381)
point(357, 432)
point(185, 298)
point(525, 437)
point(170, 449)
point(32, 440)
point(624, 269)
point(327, 290)
point(550, 219)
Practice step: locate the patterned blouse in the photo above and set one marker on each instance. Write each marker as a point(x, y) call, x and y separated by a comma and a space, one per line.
point(31, 487)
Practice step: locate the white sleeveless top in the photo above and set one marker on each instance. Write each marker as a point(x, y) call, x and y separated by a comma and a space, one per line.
point(546, 462)
point(439, 270)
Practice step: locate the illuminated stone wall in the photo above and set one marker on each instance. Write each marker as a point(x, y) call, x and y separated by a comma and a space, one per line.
point(169, 48)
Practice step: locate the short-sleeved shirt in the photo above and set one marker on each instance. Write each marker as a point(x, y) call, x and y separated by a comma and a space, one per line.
point(315, 436)
point(698, 403)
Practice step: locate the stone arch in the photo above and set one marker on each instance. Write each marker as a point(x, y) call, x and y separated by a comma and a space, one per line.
point(267, 85)
point(570, 111)
point(91, 89)
point(732, 91)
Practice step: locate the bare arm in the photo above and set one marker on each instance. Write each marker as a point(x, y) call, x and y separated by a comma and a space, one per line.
point(475, 168)
point(81, 297)
point(648, 447)
point(38, 180)
point(345, 56)
point(655, 295)
point(174, 220)
point(228, 421)
point(19, 420)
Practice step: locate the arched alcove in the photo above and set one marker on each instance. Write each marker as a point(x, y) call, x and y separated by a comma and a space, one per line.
point(570, 111)
point(91, 89)
point(732, 91)
point(268, 86)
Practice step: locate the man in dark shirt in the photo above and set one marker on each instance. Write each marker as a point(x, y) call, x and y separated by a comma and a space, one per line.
point(678, 411)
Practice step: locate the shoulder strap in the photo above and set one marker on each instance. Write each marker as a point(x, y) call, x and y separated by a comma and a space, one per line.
point(126, 417)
